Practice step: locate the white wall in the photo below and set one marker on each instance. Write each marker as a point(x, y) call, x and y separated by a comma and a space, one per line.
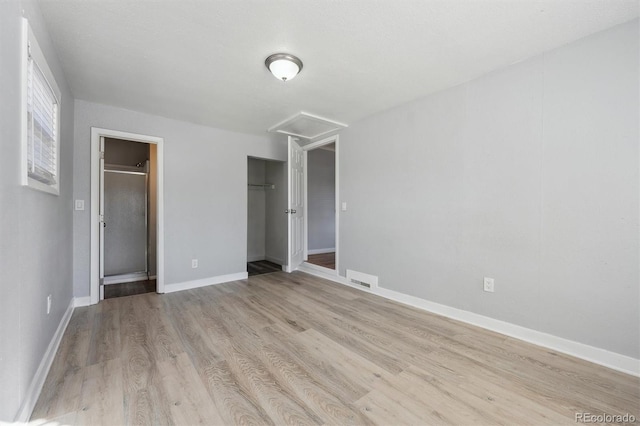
point(35, 227)
point(257, 211)
point(321, 199)
point(276, 219)
point(205, 178)
point(528, 175)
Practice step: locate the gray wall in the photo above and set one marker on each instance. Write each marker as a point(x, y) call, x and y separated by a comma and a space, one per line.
point(528, 175)
point(35, 227)
point(256, 211)
point(205, 192)
point(276, 219)
point(321, 199)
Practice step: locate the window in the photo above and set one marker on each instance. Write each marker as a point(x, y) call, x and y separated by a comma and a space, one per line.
point(41, 119)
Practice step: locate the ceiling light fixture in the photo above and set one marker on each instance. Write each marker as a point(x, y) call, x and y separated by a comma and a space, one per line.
point(283, 66)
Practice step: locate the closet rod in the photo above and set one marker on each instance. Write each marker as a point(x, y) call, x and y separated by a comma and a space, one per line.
point(125, 172)
point(261, 185)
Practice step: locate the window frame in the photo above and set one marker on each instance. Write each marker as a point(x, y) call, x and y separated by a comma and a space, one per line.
point(30, 47)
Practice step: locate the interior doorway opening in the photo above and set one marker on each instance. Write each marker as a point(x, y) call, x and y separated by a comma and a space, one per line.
point(149, 180)
point(130, 216)
point(321, 206)
point(313, 172)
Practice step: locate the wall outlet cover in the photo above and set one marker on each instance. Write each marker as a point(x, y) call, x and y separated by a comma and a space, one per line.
point(489, 284)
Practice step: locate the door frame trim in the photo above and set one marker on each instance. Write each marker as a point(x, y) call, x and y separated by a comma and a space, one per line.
point(314, 145)
point(96, 134)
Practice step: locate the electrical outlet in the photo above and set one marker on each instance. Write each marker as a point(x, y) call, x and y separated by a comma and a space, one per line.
point(488, 284)
point(48, 304)
point(194, 263)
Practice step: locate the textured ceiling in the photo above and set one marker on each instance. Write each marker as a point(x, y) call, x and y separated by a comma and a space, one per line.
point(203, 61)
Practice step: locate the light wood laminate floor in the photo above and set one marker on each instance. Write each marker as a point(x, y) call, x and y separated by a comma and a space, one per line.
point(294, 349)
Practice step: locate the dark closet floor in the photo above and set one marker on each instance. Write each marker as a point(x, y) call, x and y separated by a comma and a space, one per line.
point(129, 289)
point(262, 267)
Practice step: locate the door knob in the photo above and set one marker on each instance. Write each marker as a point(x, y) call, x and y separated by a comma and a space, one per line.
point(293, 211)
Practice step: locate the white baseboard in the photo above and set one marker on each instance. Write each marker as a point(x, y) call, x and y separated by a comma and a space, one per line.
point(220, 279)
point(615, 361)
point(255, 258)
point(125, 278)
point(35, 387)
point(81, 301)
point(322, 251)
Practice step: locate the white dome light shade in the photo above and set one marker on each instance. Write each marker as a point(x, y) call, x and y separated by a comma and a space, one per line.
point(283, 66)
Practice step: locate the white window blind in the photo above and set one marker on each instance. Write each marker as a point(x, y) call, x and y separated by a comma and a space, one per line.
point(42, 126)
point(40, 118)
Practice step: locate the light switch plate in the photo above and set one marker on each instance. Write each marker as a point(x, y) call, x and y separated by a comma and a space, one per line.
point(79, 204)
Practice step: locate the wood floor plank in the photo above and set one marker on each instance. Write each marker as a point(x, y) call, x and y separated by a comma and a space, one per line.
point(105, 336)
point(478, 392)
point(183, 314)
point(60, 393)
point(383, 409)
point(188, 399)
point(263, 389)
point(286, 348)
point(102, 394)
point(145, 401)
point(333, 376)
point(364, 344)
point(232, 402)
point(354, 367)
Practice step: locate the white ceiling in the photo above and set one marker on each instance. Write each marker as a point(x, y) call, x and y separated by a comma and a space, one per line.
point(203, 61)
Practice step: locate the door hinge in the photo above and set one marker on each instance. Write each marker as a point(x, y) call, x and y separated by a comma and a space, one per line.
point(102, 155)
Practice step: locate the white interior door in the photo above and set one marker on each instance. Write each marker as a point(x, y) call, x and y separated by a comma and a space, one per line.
point(101, 221)
point(295, 211)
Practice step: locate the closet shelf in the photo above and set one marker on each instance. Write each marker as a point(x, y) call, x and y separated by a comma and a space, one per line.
point(261, 186)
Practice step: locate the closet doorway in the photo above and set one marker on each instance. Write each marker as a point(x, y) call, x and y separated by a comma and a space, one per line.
point(266, 220)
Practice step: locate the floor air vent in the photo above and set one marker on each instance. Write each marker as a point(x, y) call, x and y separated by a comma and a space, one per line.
point(362, 279)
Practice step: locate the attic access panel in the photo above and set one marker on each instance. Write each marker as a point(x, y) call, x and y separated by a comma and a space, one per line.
point(307, 126)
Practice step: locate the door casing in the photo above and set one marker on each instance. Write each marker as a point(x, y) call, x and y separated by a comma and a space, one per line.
point(96, 135)
point(314, 145)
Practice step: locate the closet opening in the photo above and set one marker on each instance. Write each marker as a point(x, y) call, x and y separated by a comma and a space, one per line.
point(266, 218)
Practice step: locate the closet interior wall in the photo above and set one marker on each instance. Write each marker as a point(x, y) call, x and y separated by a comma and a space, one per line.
point(266, 219)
